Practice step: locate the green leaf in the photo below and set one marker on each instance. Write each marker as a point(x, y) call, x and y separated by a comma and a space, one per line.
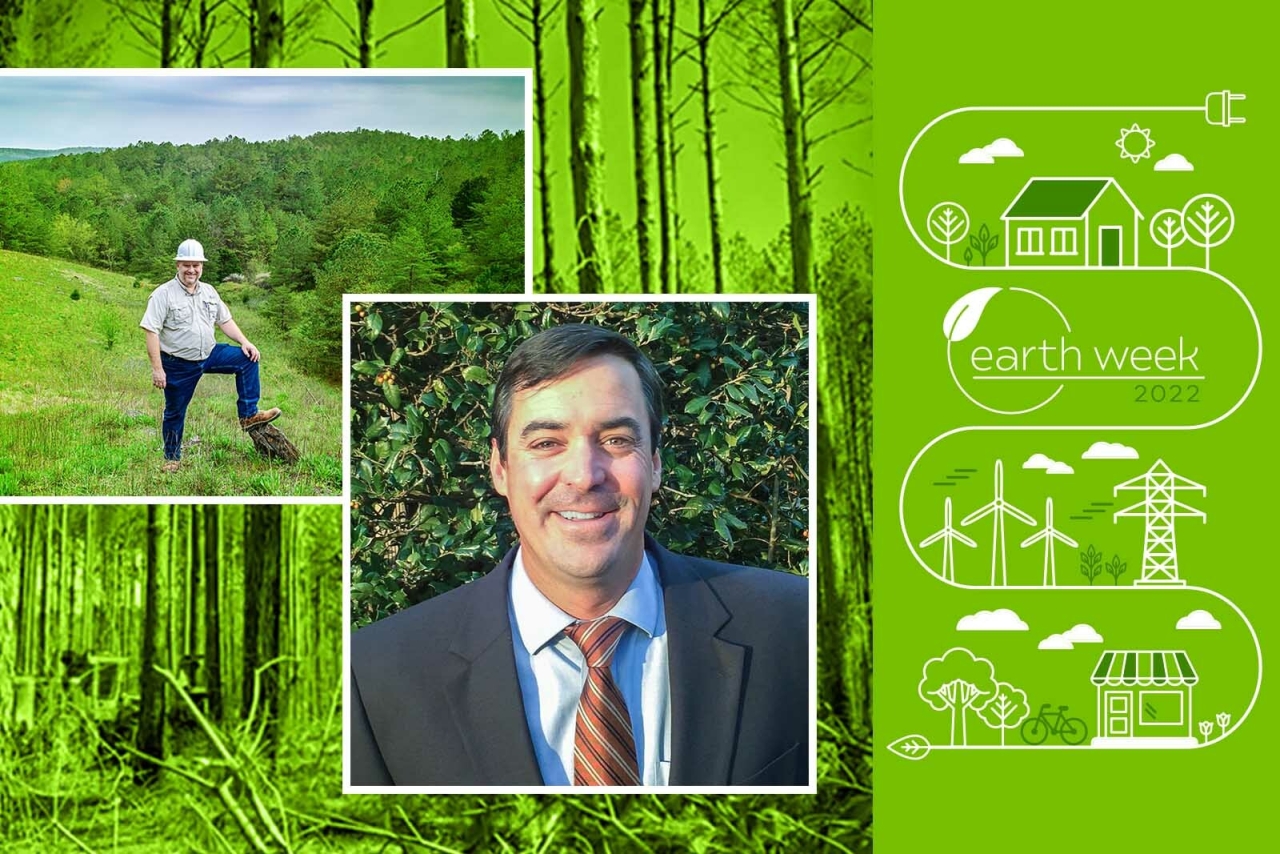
point(723, 530)
point(696, 405)
point(375, 324)
point(733, 520)
point(368, 368)
point(396, 355)
point(476, 374)
point(721, 309)
point(392, 393)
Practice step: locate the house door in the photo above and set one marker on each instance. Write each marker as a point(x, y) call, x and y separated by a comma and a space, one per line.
point(1109, 248)
point(1118, 714)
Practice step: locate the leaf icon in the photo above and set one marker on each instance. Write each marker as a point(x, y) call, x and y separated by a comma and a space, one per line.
point(911, 747)
point(962, 318)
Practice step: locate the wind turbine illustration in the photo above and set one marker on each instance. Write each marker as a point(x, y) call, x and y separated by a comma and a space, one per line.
point(947, 534)
point(997, 509)
point(1049, 533)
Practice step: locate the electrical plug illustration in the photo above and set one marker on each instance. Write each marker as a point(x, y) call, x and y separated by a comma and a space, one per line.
point(1217, 108)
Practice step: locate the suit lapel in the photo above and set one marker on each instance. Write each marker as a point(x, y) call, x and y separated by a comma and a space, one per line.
point(482, 688)
point(704, 722)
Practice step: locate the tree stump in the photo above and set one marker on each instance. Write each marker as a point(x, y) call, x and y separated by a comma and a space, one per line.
point(273, 444)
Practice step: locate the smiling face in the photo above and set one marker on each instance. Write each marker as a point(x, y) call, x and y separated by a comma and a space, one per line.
point(189, 272)
point(579, 476)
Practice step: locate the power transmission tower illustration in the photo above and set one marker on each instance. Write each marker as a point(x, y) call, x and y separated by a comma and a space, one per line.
point(997, 509)
point(947, 534)
point(1160, 508)
point(1049, 533)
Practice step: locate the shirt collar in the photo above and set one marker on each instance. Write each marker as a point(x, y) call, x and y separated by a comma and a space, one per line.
point(177, 283)
point(539, 620)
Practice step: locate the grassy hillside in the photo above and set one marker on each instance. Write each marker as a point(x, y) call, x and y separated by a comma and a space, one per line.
point(78, 415)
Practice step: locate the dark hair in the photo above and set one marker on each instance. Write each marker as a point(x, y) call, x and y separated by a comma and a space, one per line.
point(555, 352)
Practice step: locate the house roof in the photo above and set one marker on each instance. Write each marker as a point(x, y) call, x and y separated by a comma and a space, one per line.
point(1144, 667)
point(1061, 198)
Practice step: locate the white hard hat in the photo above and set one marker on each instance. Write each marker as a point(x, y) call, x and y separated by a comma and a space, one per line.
point(190, 250)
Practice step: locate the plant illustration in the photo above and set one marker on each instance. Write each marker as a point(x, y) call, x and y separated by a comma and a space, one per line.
point(1115, 568)
point(1006, 710)
point(948, 224)
point(1206, 729)
point(1168, 232)
point(1224, 721)
point(1208, 221)
point(1091, 563)
point(958, 682)
point(984, 241)
point(968, 256)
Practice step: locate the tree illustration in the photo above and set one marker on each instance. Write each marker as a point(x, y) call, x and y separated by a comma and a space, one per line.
point(1091, 563)
point(1006, 710)
point(1116, 567)
point(1208, 221)
point(587, 155)
point(958, 682)
point(984, 241)
point(1168, 232)
point(460, 33)
point(948, 223)
point(364, 47)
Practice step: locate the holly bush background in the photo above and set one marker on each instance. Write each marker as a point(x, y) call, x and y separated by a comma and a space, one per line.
point(735, 448)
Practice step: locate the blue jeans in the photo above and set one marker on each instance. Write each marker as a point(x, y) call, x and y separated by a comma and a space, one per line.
point(181, 378)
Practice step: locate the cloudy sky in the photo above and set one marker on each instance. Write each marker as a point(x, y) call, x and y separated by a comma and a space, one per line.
point(112, 111)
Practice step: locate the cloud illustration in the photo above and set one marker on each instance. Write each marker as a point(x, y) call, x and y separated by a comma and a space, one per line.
point(1109, 451)
point(1199, 619)
point(1060, 468)
point(976, 155)
point(987, 154)
point(1082, 633)
point(1055, 642)
point(999, 620)
point(1038, 461)
point(1174, 163)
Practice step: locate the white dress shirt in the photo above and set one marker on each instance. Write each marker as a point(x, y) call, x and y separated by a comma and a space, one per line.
point(552, 670)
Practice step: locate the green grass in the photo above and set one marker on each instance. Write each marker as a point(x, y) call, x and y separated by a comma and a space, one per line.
point(78, 415)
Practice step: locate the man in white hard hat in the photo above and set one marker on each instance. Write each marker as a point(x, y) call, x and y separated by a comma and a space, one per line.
point(179, 322)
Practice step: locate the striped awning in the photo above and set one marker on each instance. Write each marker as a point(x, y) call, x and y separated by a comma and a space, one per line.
point(1144, 667)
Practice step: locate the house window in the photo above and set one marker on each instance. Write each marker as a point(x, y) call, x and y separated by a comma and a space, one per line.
point(1062, 241)
point(1161, 708)
point(1031, 241)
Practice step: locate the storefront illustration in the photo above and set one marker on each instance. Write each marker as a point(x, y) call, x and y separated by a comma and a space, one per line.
point(1144, 699)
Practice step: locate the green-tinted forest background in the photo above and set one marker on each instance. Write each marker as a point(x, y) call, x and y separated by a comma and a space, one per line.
point(680, 146)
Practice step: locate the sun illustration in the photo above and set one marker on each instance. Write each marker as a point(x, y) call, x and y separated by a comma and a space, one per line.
point(1135, 143)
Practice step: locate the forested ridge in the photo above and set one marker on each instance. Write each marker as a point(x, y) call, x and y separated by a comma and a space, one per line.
point(306, 219)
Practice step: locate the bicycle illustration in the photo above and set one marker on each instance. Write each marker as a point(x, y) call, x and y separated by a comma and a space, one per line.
point(1070, 730)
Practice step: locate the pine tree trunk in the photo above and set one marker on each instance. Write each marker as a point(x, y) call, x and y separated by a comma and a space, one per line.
point(364, 13)
point(460, 33)
point(587, 157)
point(151, 713)
point(212, 624)
point(537, 37)
point(644, 140)
point(709, 146)
point(262, 614)
point(799, 201)
point(267, 48)
point(661, 97)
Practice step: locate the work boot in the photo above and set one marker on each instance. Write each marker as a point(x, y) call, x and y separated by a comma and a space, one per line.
point(170, 466)
point(257, 419)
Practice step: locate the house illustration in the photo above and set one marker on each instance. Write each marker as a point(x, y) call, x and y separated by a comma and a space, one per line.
point(1072, 222)
point(1144, 699)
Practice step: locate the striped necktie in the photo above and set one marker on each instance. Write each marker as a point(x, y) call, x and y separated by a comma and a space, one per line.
point(604, 750)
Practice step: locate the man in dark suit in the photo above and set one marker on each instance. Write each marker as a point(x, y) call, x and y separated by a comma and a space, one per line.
point(591, 654)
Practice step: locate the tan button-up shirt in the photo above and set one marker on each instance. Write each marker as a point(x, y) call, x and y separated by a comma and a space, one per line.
point(184, 321)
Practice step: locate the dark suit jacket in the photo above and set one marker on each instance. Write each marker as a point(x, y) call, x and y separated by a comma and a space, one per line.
point(435, 699)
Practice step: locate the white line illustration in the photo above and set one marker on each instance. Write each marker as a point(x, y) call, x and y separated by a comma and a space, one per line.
point(997, 508)
point(1160, 508)
point(1049, 535)
point(947, 534)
